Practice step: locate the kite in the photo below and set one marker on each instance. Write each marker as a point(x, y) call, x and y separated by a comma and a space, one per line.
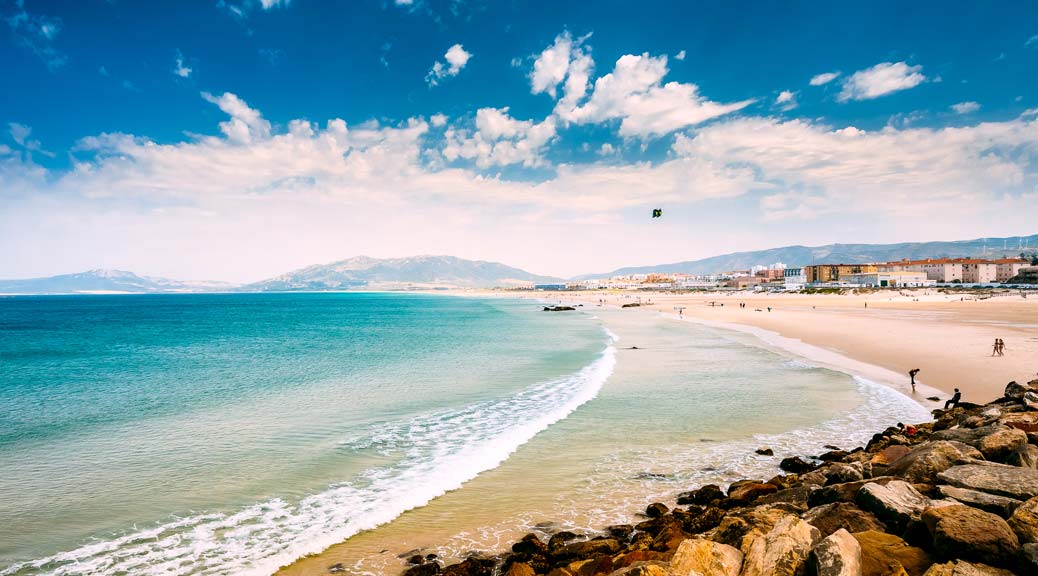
point(657, 212)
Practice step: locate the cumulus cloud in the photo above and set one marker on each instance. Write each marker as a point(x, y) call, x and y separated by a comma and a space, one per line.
point(634, 92)
point(500, 140)
point(268, 4)
point(824, 78)
point(246, 124)
point(786, 100)
point(454, 60)
point(680, 55)
point(179, 68)
point(965, 107)
point(879, 80)
point(438, 120)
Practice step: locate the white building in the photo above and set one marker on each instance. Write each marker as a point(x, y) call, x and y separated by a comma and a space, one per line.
point(794, 278)
point(892, 279)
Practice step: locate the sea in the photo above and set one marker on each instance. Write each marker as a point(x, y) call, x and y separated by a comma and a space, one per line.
point(240, 433)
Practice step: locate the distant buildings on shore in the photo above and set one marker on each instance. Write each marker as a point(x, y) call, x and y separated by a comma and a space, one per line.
point(777, 276)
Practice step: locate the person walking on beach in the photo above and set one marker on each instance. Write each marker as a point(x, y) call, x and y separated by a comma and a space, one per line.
point(954, 400)
point(911, 374)
point(1001, 347)
point(994, 349)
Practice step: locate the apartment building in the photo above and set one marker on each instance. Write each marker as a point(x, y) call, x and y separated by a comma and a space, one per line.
point(822, 273)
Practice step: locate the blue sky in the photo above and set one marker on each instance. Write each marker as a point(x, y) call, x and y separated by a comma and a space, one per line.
point(237, 139)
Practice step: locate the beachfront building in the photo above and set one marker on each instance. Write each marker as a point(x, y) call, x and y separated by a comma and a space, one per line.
point(940, 270)
point(1009, 267)
point(979, 272)
point(829, 273)
point(743, 282)
point(793, 278)
point(895, 279)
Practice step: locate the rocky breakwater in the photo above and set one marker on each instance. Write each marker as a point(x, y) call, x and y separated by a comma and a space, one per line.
point(954, 497)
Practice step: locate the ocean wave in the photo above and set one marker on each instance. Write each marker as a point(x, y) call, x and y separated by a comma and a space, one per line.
point(437, 452)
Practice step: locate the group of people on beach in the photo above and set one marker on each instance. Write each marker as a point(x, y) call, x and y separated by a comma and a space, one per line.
point(999, 348)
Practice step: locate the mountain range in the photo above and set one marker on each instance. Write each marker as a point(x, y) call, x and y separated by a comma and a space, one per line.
point(363, 272)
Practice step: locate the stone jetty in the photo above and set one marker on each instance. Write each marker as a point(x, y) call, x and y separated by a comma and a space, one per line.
point(957, 496)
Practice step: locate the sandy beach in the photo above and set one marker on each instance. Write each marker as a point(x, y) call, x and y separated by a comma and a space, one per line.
point(949, 337)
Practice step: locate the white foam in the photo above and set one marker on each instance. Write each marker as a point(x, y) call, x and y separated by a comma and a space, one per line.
point(438, 452)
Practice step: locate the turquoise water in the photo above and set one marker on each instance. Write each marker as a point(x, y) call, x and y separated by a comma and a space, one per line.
point(232, 427)
point(233, 434)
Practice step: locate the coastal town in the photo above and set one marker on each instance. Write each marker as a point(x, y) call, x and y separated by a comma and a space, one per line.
point(979, 272)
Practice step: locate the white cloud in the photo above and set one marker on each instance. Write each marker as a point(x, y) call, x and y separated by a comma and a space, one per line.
point(500, 140)
point(268, 4)
point(634, 93)
point(879, 80)
point(403, 2)
point(456, 59)
point(246, 124)
point(179, 68)
point(19, 132)
point(680, 55)
point(824, 78)
point(786, 100)
point(1032, 40)
point(553, 63)
point(438, 120)
point(606, 149)
point(965, 107)
point(37, 33)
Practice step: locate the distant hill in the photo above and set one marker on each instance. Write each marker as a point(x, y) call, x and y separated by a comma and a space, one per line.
point(836, 254)
point(417, 271)
point(93, 281)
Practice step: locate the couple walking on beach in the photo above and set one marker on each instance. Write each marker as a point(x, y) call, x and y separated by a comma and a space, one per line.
point(999, 348)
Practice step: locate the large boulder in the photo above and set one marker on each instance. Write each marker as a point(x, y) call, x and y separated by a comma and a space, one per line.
point(1000, 444)
point(829, 518)
point(886, 554)
point(1025, 456)
point(740, 528)
point(641, 569)
point(888, 455)
point(963, 568)
point(702, 496)
point(971, 534)
point(845, 492)
point(1026, 421)
point(1016, 391)
point(796, 465)
point(897, 503)
point(1024, 521)
point(924, 462)
point(843, 473)
point(695, 557)
point(747, 491)
point(1011, 481)
point(587, 549)
point(782, 551)
point(839, 554)
point(999, 505)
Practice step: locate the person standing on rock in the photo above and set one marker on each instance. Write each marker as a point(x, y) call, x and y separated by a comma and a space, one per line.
point(911, 374)
point(954, 401)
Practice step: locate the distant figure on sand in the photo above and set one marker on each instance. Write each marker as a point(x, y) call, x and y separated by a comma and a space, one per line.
point(994, 348)
point(1001, 347)
point(911, 374)
point(954, 401)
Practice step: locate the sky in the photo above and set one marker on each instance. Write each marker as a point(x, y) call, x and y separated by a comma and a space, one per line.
point(238, 139)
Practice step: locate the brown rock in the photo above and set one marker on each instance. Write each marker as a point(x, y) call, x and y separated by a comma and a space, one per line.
point(630, 558)
point(702, 496)
point(889, 454)
point(471, 567)
point(963, 568)
point(520, 569)
point(735, 529)
point(699, 556)
point(999, 445)
point(897, 503)
point(829, 518)
point(839, 554)
point(588, 549)
point(999, 505)
point(885, 554)
point(1024, 521)
point(427, 569)
point(530, 544)
point(843, 473)
point(746, 492)
point(1025, 456)
point(656, 510)
point(782, 551)
point(1026, 421)
point(971, 534)
point(924, 462)
point(845, 492)
point(796, 465)
point(1011, 481)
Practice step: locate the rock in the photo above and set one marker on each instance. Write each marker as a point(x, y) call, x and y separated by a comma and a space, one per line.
point(416, 559)
point(796, 465)
point(1011, 481)
point(999, 445)
point(621, 531)
point(737, 528)
point(701, 521)
point(1029, 557)
point(971, 534)
point(656, 510)
point(471, 567)
point(1025, 456)
point(746, 492)
point(1016, 391)
point(963, 568)
point(924, 462)
point(889, 454)
point(782, 551)
point(897, 503)
point(636, 556)
point(843, 473)
point(1024, 521)
point(1026, 421)
point(796, 496)
point(705, 495)
point(530, 544)
point(559, 539)
point(1031, 400)
point(427, 569)
point(1000, 505)
point(643, 569)
point(587, 549)
point(520, 569)
point(829, 518)
point(834, 456)
point(839, 554)
point(764, 451)
point(558, 308)
point(885, 554)
point(701, 557)
point(815, 478)
point(845, 492)
point(670, 536)
point(336, 568)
